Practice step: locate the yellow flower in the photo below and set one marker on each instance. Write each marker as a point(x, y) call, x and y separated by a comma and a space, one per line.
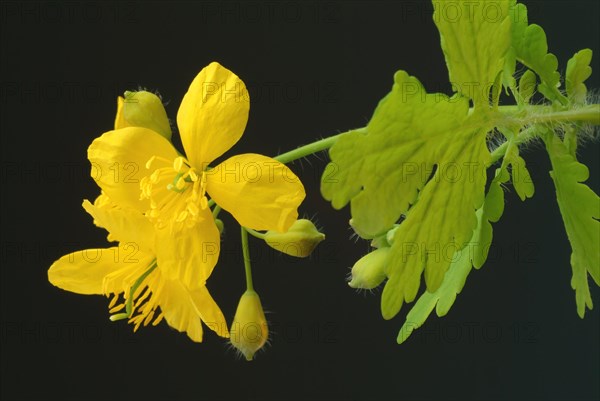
point(258, 191)
point(249, 330)
point(131, 267)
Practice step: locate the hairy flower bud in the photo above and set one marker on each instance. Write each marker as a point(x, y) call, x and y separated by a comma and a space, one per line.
point(299, 240)
point(142, 109)
point(249, 330)
point(358, 232)
point(368, 272)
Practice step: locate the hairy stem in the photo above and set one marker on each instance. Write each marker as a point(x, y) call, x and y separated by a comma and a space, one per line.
point(541, 114)
point(524, 136)
point(544, 115)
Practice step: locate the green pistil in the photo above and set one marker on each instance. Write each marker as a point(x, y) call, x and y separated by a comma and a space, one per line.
point(173, 186)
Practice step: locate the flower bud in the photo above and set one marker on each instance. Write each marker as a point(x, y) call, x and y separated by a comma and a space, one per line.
point(249, 330)
point(386, 239)
point(380, 241)
point(299, 240)
point(390, 234)
point(358, 232)
point(368, 272)
point(142, 109)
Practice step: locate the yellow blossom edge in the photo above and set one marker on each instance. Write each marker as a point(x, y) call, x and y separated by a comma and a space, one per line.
point(112, 271)
point(260, 192)
point(213, 114)
point(118, 163)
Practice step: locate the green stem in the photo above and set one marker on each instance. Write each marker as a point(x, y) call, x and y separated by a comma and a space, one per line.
point(255, 233)
point(246, 253)
point(311, 148)
point(216, 211)
point(542, 116)
point(523, 136)
point(132, 290)
point(588, 114)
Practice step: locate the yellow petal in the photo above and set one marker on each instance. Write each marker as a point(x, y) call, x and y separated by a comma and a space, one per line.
point(209, 311)
point(121, 280)
point(120, 119)
point(213, 114)
point(124, 225)
point(119, 159)
point(177, 307)
point(183, 309)
point(260, 192)
point(187, 253)
point(84, 271)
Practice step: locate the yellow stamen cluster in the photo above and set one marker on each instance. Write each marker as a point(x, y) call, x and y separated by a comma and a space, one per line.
point(143, 311)
point(145, 306)
point(140, 303)
point(176, 192)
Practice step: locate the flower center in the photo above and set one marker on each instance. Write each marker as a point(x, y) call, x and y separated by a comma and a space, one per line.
point(176, 192)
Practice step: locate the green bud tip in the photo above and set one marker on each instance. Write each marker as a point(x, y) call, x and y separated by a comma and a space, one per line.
point(369, 271)
point(299, 240)
point(249, 331)
point(145, 109)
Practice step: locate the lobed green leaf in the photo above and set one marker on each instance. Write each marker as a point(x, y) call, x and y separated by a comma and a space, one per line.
point(475, 37)
point(472, 254)
point(580, 209)
point(520, 175)
point(578, 70)
point(527, 85)
point(381, 173)
point(530, 47)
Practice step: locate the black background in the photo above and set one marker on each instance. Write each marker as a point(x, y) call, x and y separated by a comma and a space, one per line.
point(313, 69)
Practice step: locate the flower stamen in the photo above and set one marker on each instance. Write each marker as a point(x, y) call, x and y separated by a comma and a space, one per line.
point(177, 193)
point(129, 308)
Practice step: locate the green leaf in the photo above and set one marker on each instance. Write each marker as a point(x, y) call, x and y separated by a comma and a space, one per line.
point(580, 209)
point(531, 49)
point(411, 134)
point(520, 175)
point(578, 70)
point(472, 254)
point(444, 297)
point(527, 85)
point(508, 73)
point(492, 210)
point(570, 140)
point(475, 37)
